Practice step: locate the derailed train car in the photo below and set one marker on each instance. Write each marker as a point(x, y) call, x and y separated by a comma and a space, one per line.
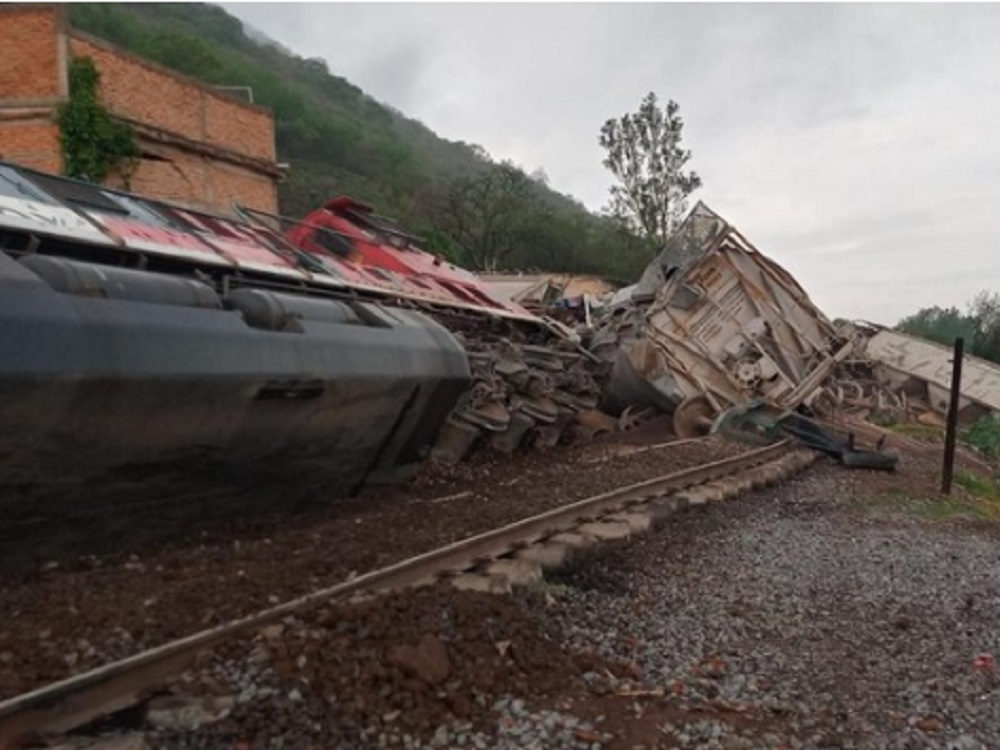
point(714, 327)
point(142, 340)
point(531, 379)
point(915, 375)
point(714, 324)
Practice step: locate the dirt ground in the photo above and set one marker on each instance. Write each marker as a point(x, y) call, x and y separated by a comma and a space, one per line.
point(74, 613)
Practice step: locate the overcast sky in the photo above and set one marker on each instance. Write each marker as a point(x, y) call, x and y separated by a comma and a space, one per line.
point(856, 145)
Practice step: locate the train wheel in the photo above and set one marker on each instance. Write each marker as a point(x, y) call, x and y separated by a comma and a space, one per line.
point(693, 417)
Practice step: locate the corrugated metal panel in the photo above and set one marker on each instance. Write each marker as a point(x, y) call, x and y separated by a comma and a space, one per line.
point(903, 357)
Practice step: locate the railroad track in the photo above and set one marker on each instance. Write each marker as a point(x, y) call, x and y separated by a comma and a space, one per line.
point(482, 561)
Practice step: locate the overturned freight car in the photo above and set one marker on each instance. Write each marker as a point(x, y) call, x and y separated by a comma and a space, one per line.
point(125, 357)
point(713, 324)
point(147, 346)
point(914, 375)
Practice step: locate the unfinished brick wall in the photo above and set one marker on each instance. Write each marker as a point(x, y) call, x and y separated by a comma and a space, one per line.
point(32, 82)
point(31, 66)
point(31, 143)
point(176, 177)
point(179, 177)
point(142, 91)
point(229, 184)
point(200, 147)
point(239, 127)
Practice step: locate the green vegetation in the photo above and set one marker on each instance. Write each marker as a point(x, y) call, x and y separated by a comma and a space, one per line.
point(977, 499)
point(644, 154)
point(931, 433)
point(981, 486)
point(882, 419)
point(984, 436)
point(979, 327)
point(338, 140)
point(93, 144)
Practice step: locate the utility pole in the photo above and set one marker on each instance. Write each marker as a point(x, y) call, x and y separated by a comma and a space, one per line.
point(949, 438)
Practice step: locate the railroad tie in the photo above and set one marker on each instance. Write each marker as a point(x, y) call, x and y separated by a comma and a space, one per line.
point(548, 554)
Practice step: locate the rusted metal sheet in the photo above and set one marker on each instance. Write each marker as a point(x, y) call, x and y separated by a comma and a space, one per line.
point(922, 371)
point(725, 325)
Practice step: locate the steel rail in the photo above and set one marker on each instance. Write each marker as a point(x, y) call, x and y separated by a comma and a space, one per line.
point(77, 700)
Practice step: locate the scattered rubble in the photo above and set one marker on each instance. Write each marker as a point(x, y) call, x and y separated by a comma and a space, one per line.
point(427, 660)
point(794, 617)
point(186, 713)
point(520, 393)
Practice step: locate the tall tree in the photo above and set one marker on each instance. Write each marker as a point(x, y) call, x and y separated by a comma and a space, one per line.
point(488, 214)
point(644, 153)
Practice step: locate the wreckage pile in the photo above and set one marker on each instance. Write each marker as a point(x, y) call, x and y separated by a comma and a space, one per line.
point(715, 330)
point(717, 335)
point(518, 388)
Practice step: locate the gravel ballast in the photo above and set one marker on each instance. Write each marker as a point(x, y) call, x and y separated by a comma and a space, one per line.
point(853, 629)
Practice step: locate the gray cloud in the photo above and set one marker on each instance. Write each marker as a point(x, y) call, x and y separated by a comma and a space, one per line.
point(856, 144)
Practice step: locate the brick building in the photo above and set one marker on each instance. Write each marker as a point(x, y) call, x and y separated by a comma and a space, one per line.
point(199, 146)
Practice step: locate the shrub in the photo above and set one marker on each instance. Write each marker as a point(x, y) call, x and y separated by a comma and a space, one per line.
point(984, 435)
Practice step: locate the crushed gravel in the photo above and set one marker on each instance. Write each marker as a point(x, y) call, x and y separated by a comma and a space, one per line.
point(854, 630)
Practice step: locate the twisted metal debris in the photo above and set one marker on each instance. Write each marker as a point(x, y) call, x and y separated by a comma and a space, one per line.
point(714, 325)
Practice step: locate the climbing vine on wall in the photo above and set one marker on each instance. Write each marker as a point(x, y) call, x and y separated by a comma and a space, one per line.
point(93, 144)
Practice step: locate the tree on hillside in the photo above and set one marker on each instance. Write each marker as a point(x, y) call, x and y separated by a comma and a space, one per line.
point(942, 325)
point(488, 214)
point(182, 53)
point(985, 313)
point(644, 153)
point(980, 327)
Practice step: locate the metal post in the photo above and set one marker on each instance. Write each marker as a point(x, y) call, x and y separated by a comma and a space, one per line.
point(949, 438)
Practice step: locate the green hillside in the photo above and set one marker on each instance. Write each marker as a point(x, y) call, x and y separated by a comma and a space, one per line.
point(337, 140)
